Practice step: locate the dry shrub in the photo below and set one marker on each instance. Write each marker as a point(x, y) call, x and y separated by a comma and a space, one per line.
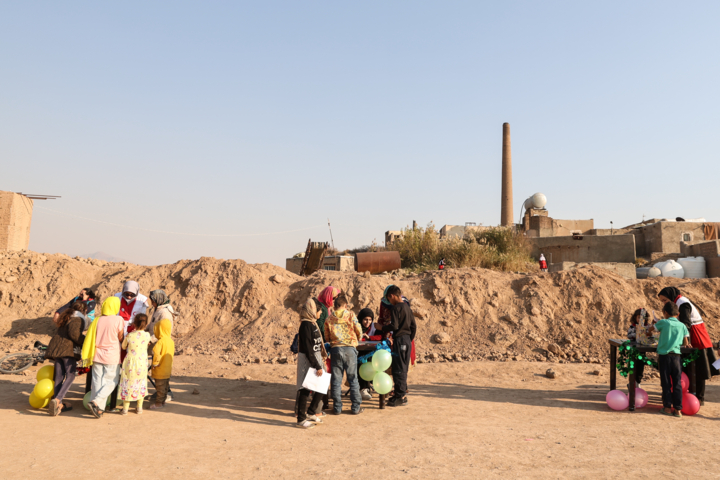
point(496, 248)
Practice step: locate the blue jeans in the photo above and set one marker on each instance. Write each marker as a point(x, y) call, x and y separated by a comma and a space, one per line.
point(344, 359)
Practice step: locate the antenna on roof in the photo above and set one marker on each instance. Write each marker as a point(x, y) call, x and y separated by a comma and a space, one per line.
point(36, 196)
point(331, 239)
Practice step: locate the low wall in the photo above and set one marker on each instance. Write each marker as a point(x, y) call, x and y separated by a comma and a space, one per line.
point(709, 249)
point(713, 267)
point(626, 270)
point(591, 249)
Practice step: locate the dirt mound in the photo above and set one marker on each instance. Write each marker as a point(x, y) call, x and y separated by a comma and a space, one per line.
point(248, 313)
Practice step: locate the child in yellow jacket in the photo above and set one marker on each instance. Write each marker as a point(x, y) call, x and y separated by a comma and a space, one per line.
point(163, 353)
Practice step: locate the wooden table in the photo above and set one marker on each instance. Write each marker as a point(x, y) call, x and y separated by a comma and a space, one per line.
point(366, 347)
point(615, 343)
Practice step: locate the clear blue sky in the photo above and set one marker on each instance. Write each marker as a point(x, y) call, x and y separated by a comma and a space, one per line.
point(229, 118)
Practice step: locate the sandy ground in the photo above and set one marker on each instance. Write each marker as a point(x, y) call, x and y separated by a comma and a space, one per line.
point(464, 420)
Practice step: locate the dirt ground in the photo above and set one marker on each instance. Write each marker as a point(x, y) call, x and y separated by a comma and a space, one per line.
point(463, 420)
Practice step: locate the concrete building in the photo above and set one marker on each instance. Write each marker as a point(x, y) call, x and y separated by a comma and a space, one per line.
point(584, 249)
point(15, 218)
point(335, 263)
point(450, 231)
point(391, 236)
point(545, 226)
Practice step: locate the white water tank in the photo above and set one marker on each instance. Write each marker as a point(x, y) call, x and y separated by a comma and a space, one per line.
point(653, 272)
point(671, 269)
point(694, 267)
point(536, 201)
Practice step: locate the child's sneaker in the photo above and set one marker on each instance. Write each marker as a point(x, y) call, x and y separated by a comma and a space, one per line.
point(365, 394)
point(314, 419)
point(306, 424)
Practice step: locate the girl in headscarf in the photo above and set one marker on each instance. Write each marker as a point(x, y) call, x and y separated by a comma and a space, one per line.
point(101, 349)
point(325, 303)
point(163, 310)
point(367, 322)
point(369, 332)
point(163, 354)
point(699, 338)
point(385, 310)
point(543, 263)
point(311, 354)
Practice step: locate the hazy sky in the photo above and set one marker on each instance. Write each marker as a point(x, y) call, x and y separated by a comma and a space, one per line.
point(244, 118)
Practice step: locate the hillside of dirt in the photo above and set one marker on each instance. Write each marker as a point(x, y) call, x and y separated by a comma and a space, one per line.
point(246, 313)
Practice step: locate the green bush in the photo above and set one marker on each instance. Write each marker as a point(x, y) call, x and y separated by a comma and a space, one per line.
point(497, 248)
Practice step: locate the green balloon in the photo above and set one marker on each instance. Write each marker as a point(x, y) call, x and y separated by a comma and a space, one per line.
point(367, 372)
point(381, 360)
point(86, 399)
point(382, 383)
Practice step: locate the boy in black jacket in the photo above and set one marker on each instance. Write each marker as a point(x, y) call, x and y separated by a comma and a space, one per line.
point(402, 326)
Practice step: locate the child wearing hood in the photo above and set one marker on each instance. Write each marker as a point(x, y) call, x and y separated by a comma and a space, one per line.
point(163, 353)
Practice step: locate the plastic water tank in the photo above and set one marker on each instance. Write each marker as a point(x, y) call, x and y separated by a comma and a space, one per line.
point(536, 201)
point(654, 272)
point(694, 267)
point(672, 269)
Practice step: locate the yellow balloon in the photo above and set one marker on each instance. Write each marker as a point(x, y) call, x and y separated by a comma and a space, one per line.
point(48, 371)
point(44, 389)
point(37, 403)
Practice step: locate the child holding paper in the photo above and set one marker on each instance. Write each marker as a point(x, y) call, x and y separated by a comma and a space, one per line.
point(310, 355)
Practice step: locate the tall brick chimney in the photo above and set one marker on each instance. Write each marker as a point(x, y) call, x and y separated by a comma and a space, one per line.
point(506, 201)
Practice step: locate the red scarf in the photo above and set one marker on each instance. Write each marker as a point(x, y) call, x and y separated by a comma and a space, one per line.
point(126, 308)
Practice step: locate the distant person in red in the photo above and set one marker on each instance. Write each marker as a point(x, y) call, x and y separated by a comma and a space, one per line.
point(543, 263)
point(441, 265)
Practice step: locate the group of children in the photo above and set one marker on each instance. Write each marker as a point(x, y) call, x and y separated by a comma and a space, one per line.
point(328, 320)
point(680, 326)
point(114, 349)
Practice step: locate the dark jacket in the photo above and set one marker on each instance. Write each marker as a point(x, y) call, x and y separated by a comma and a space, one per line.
point(310, 343)
point(67, 337)
point(402, 321)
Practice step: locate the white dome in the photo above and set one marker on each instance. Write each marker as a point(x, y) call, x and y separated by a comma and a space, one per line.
point(672, 269)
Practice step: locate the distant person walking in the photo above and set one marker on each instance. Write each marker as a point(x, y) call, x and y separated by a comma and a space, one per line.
point(543, 263)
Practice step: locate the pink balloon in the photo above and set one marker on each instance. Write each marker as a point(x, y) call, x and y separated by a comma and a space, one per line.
point(641, 398)
point(684, 382)
point(691, 405)
point(617, 400)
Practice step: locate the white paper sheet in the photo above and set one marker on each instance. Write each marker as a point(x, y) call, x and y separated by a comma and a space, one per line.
point(315, 383)
point(716, 364)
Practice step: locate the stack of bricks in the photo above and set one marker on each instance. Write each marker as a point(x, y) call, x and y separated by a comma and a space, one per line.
point(15, 218)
